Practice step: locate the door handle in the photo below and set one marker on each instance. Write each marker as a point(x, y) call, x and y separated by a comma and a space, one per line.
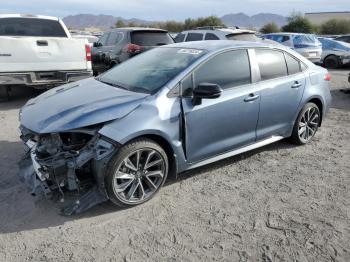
point(42, 43)
point(251, 98)
point(296, 85)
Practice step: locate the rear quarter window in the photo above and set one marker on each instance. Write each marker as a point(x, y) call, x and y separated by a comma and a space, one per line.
point(293, 64)
point(150, 38)
point(194, 37)
point(210, 36)
point(271, 64)
point(31, 27)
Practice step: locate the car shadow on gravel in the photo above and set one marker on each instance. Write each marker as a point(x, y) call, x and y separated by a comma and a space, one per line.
point(19, 212)
point(281, 145)
point(19, 95)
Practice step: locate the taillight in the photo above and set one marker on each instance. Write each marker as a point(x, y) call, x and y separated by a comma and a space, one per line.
point(88, 52)
point(327, 77)
point(132, 48)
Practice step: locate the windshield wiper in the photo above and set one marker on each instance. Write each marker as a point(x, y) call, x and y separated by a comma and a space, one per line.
point(112, 84)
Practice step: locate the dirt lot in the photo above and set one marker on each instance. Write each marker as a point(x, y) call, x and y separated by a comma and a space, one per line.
point(278, 203)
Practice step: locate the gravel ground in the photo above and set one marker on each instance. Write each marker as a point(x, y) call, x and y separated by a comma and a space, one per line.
point(277, 203)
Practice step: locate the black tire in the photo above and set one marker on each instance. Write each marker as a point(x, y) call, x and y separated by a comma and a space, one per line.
point(116, 164)
point(331, 62)
point(113, 64)
point(304, 138)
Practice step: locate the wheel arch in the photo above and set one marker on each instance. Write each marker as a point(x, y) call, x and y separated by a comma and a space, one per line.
point(166, 145)
point(318, 102)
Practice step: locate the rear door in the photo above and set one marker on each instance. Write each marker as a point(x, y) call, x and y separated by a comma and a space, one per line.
point(281, 88)
point(225, 123)
point(33, 44)
point(112, 49)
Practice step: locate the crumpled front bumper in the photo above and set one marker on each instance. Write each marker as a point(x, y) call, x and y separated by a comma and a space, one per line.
point(28, 175)
point(73, 197)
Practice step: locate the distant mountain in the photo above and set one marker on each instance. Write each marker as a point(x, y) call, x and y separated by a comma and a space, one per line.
point(257, 21)
point(82, 21)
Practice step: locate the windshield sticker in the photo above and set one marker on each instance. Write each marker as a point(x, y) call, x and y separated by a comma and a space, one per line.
point(190, 51)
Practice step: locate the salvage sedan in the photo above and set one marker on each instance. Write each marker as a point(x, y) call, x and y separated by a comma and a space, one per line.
point(119, 136)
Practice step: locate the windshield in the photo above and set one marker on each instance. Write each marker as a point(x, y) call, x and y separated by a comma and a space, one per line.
point(304, 41)
point(148, 72)
point(31, 27)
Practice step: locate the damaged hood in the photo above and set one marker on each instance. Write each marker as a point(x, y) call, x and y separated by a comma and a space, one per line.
point(76, 105)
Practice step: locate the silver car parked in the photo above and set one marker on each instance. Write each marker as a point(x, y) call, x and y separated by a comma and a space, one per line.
point(305, 44)
point(334, 53)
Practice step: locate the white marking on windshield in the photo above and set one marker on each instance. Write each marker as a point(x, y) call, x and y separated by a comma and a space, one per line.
point(190, 51)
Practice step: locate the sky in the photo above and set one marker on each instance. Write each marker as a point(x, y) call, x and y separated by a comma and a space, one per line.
point(156, 10)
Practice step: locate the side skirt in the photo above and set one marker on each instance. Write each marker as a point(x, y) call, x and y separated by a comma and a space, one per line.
point(236, 152)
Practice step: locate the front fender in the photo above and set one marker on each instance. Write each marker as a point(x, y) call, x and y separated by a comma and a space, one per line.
point(160, 117)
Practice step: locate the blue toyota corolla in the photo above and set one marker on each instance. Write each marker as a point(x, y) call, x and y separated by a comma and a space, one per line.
point(120, 135)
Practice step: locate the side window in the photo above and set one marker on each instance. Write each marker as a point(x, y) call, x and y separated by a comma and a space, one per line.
point(103, 39)
point(210, 36)
point(194, 37)
point(228, 70)
point(292, 64)
point(114, 38)
point(271, 63)
point(179, 38)
point(280, 38)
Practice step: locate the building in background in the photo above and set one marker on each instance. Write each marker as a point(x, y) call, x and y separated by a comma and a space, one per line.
point(320, 18)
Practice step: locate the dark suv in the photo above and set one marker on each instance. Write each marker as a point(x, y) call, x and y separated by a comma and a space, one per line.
point(118, 45)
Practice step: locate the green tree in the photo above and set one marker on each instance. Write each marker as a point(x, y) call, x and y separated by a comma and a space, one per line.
point(270, 28)
point(119, 24)
point(132, 24)
point(335, 27)
point(297, 23)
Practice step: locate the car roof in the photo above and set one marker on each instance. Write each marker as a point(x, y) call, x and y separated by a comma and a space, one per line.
point(28, 16)
point(138, 29)
point(282, 33)
point(214, 45)
point(220, 30)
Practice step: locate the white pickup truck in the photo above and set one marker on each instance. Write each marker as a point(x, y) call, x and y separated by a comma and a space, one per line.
point(39, 51)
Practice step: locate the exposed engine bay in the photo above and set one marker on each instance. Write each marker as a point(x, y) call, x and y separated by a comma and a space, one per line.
point(67, 167)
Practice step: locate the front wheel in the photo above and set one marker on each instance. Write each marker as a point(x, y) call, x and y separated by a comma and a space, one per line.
point(136, 173)
point(306, 125)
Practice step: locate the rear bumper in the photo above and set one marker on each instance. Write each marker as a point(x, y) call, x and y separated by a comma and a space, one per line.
point(314, 59)
point(43, 78)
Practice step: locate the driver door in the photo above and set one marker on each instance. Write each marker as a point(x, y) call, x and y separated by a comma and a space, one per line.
point(229, 122)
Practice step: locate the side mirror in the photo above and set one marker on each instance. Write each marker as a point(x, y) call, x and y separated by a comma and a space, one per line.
point(97, 44)
point(206, 91)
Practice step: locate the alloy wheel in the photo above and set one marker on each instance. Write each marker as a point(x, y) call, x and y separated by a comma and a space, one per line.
point(139, 176)
point(308, 124)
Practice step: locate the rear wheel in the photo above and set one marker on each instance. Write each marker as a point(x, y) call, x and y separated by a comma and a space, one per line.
point(306, 125)
point(136, 173)
point(331, 62)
